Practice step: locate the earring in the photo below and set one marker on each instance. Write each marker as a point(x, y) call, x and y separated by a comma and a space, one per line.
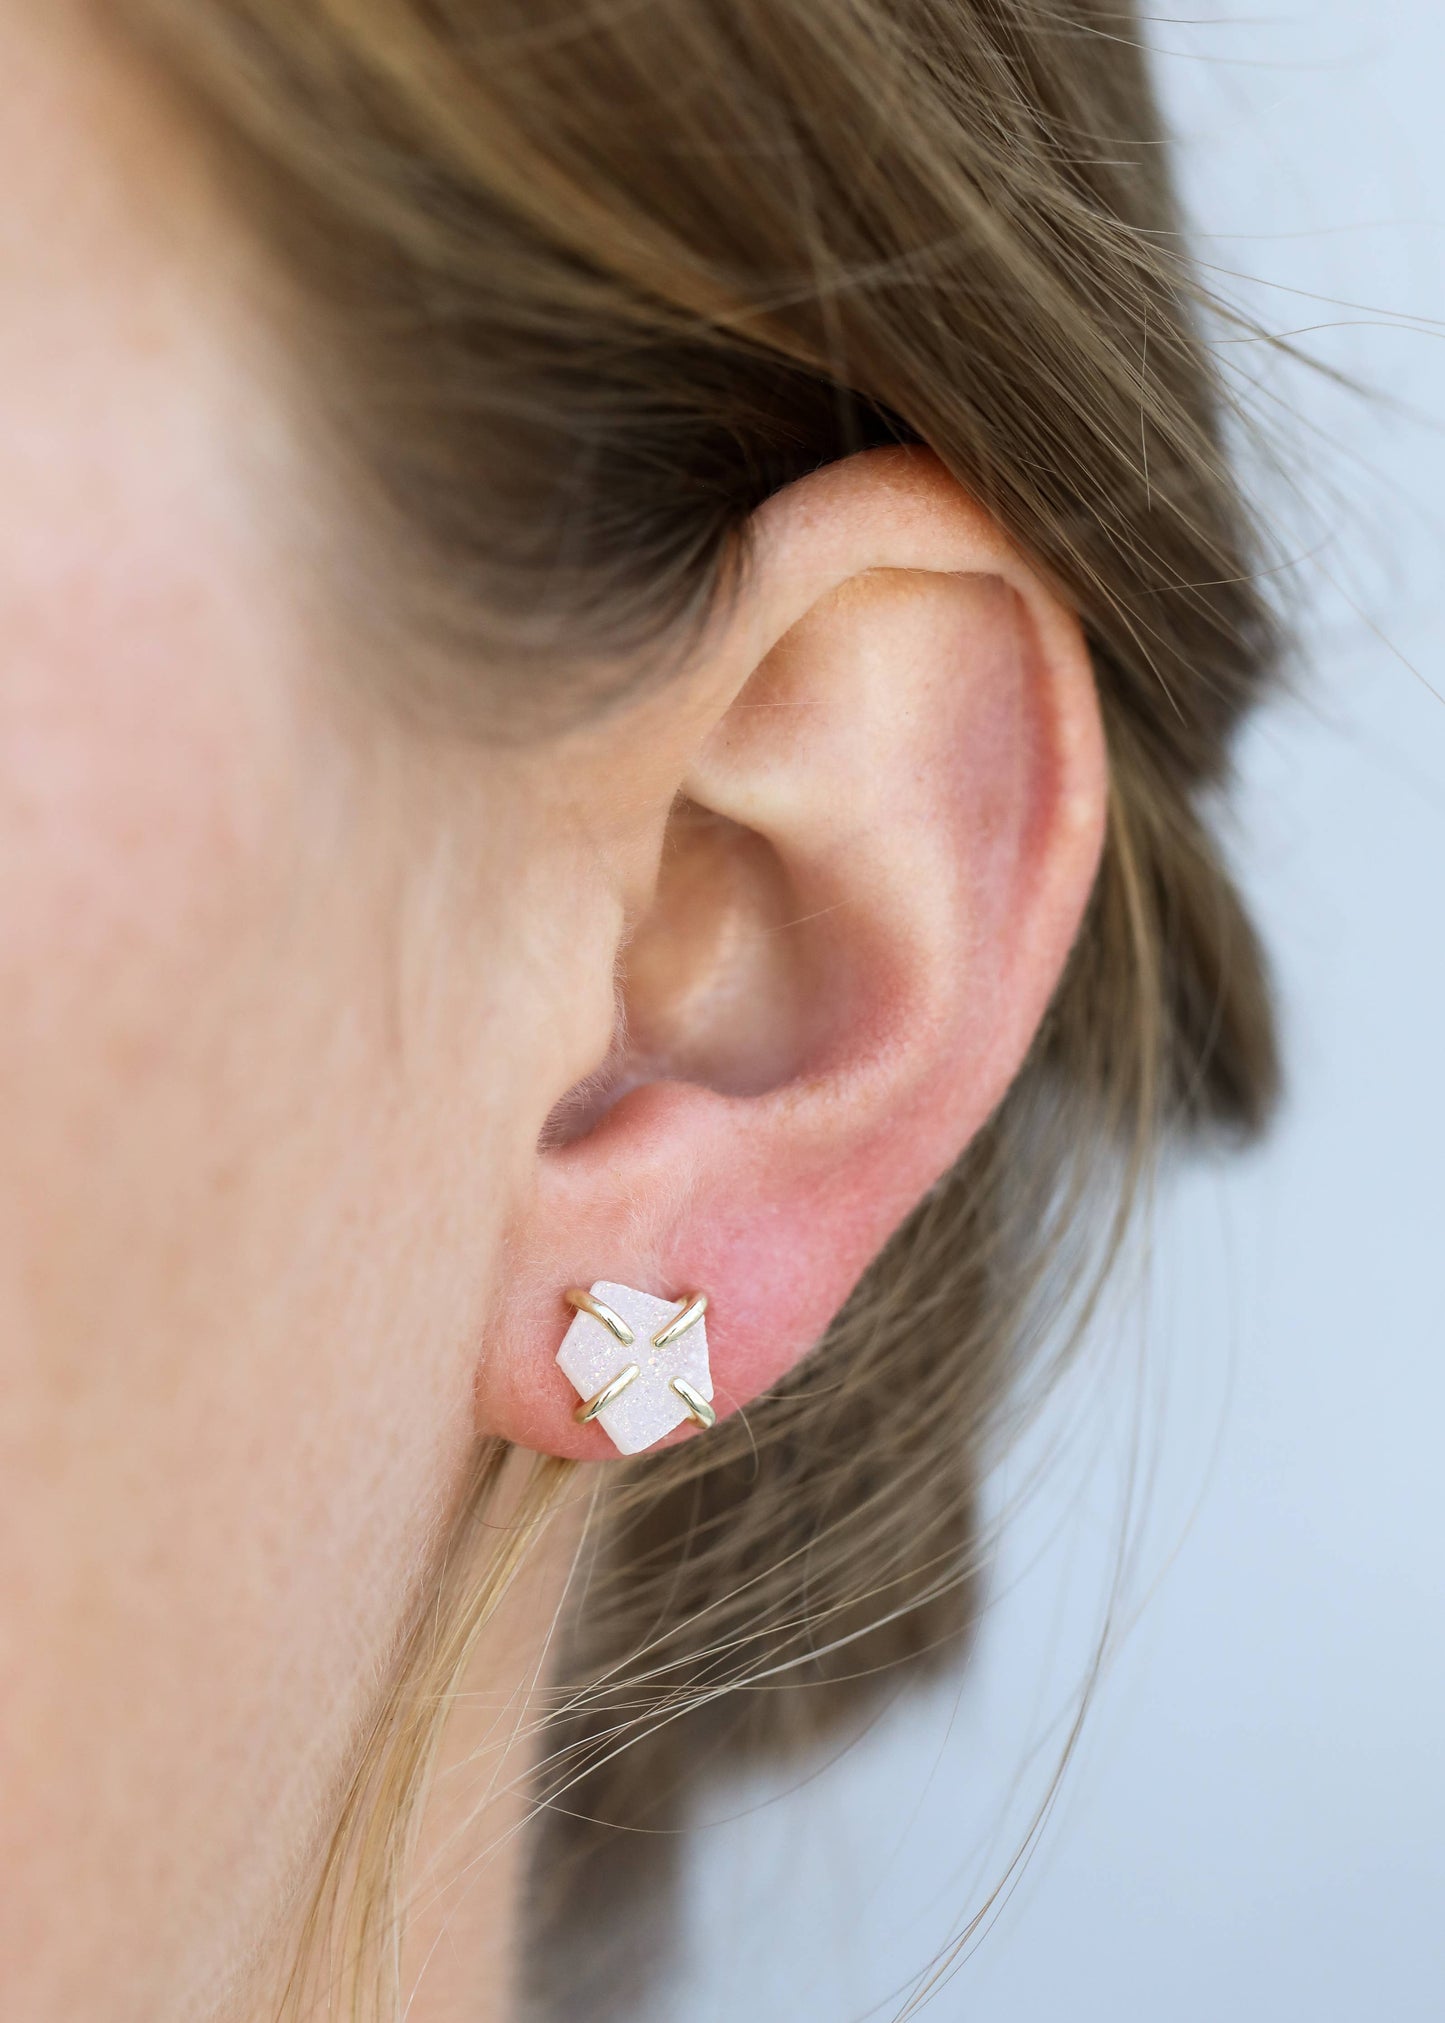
point(638, 1363)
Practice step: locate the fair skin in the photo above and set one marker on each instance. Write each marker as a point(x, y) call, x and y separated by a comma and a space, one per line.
point(288, 993)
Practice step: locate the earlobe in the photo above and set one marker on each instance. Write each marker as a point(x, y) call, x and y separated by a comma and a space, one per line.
point(883, 845)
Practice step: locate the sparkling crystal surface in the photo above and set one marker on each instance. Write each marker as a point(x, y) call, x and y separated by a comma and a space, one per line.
point(591, 1356)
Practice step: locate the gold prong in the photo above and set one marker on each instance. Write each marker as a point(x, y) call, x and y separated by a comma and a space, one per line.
point(579, 1297)
point(688, 1315)
point(589, 1408)
point(698, 1409)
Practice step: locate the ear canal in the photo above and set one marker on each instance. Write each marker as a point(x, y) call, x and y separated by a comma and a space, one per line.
point(719, 979)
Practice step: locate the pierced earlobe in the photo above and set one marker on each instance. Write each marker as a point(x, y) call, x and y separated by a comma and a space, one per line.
point(637, 1395)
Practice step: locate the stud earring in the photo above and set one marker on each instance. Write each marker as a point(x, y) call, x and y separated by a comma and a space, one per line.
point(638, 1363)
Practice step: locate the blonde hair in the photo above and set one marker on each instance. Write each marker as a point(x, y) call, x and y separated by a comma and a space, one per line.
point(582, 286)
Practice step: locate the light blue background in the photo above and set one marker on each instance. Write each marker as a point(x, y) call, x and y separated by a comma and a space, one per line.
point(1254, 1825)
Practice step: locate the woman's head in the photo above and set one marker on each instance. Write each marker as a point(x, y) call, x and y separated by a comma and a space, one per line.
point(613, 626)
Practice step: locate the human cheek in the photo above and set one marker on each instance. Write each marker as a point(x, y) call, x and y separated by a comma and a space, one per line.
point(163, 807)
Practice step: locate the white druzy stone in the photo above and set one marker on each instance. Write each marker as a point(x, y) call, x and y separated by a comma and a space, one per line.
point(591, 1356)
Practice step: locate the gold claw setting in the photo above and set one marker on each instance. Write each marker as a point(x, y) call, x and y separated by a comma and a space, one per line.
point(663, 1384)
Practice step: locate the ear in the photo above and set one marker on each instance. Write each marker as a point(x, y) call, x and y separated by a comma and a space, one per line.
point(879, 803)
